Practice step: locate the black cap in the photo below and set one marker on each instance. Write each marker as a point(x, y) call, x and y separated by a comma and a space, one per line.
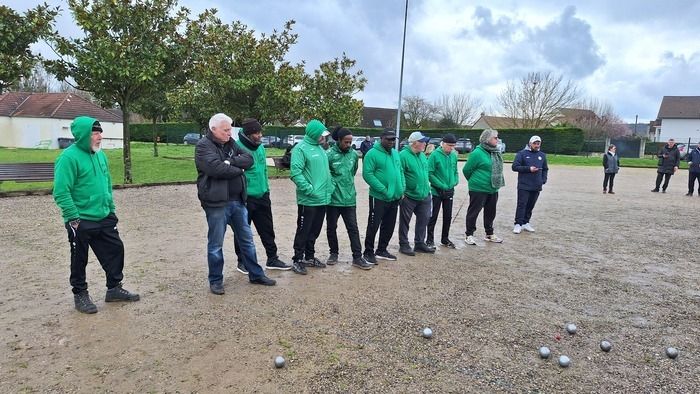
point(250, 126)
point(388, 134)
point(449, 139)
point(96, 127)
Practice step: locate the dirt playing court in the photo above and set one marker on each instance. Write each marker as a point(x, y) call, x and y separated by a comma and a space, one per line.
point(622, 267)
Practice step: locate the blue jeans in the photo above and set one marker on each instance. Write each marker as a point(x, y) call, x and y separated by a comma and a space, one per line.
point(235, 215)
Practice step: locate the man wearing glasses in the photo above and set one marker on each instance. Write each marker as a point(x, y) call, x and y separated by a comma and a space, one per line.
point(531, 166)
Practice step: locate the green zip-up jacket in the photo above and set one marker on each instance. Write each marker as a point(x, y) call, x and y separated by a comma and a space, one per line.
point(343, 167)
point(383, 173)
point(477, 170)
point(82, 185)
point(415, 170)
point(442, 171)
point(256, 176)
point(309, 170)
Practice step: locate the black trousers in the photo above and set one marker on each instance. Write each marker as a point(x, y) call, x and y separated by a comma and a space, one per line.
point(309, 223)
point(666, 177)
point(349, 215)
point(526, 203)
point(103, 238)
point(260, 214)
point(692, 176)
point(382, 214)
point(421, 208)
point(446, 204)
point(611, 178)
point(477, 201)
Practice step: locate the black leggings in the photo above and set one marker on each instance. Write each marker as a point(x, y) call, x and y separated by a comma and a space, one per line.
point(609, 177)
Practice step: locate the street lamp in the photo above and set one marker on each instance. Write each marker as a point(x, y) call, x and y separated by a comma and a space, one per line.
point(403, 51)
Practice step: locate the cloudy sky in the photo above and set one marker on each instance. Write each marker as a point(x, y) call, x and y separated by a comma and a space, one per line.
point(628, 53)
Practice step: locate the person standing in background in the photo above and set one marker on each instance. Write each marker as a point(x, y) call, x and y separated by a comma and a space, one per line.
point(611, 166)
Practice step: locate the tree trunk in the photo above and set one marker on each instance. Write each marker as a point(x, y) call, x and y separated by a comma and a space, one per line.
point(155, 139)
point(127, 144)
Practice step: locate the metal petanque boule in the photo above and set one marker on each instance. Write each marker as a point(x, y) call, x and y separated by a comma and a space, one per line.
point(564, 361)
point(571, 328)
point(279, 362)
point(605, 346)
point(672, 352)
point(544, 352)
point(427, 333)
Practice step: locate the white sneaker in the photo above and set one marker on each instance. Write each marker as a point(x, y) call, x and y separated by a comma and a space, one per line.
point(470, 240)
point(527, 227)
point(517, 229)
point(493, 238)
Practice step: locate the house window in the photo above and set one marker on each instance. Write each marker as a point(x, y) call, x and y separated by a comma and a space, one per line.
point(377, 123)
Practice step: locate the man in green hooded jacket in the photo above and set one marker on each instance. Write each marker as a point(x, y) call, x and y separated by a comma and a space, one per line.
point(443, 175)
point(83, 191)
point(309, 171)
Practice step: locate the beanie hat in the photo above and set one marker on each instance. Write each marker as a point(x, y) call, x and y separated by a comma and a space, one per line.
point(449, 139)
point(251, 126)
point(535, 138)
point(96, 127)
point(340, 132)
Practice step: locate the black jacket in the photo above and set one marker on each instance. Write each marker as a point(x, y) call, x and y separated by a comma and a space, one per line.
point(611, 163)
point(693, 159)
point(531, 181)
point(220, 169)
point(672, 159)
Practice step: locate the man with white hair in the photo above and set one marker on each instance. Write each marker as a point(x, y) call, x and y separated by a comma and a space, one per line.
point(221, 188)
point(531, 166)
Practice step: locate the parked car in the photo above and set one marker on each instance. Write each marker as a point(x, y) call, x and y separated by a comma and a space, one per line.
point(270, 141)
point(191, 138)
point(357, 141)
point(464, 145)
point(501, 145)
point(292, 139)
point(682, 150)
point(435, 141)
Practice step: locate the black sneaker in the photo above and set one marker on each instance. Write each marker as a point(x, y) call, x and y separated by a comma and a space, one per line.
point(423, 248)
point(314, 262)
point(403, 249)
point(430, 244)
point(361, 263)
point(217, 288)
point(448, 244)
point(118, 293)
point(241, 269)
point(654, 190)
point(263, 280)
point(332, 259)
point(370, 258)
point(83, 303)
point(277, 264)
point(298, 267)
point(384, 255)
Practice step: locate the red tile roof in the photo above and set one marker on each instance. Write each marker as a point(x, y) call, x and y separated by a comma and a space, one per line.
point(52, 105)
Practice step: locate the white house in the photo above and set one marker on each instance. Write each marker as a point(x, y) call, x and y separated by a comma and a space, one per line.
point(39, 120)
point(678, 118)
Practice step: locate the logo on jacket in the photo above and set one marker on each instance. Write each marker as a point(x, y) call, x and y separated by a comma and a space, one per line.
point(539, 158)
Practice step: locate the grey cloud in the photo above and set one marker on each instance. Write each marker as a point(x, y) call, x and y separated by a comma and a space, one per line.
point(501, 29)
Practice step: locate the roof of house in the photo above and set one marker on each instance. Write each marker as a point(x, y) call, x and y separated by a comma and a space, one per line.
point(52, 105)
point(680, 107)
point(387, 116)
point(573, 115)
point(500, 122)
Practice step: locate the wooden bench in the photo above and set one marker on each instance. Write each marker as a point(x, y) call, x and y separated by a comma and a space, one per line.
point(26, 172)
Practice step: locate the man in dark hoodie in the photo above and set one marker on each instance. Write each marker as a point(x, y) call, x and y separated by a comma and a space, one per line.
point(258, 204)
point(221, 188)
point(531, 166)
point(693, 169)
point(83, 191)
point(669, 160)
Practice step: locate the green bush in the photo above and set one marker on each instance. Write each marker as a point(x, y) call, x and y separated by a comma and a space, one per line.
point(168, 132)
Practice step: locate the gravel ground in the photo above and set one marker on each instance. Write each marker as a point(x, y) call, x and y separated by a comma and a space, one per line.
point(620, 267)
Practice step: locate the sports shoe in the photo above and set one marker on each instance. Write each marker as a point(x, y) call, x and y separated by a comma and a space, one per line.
point(470, 240)
point(217, 288)
point(83, 303)
point(654, 190)
point(263, 280)
point(604, 191)
point(663, 191)
point(118, 293)
point(528, 227)
point(430, 244)
point(448, 244)
point(277, 264)
point(361, 263)
point(493, 238)
point(298, 267)
point(370, 258)
point(384, 255)
point(332, 259)
point(517, 229)
point(423, 248)
point(314, 262)
point(404, 249)
point(241, 269)
point(689, 194)
point(611, 192)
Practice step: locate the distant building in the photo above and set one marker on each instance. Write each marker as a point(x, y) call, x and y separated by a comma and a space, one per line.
point(639, 129)
point(33, 120)
point(381, 118)
point(497, 122)
point(678, 118)
point(573, 116)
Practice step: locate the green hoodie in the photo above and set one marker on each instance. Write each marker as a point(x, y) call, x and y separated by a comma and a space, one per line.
point(477, 170)
point(256, 176)
point(343, 167)
point(383, 173)
point(309, 168)
point(82, 186)
point(415, 169)
point(442, 171)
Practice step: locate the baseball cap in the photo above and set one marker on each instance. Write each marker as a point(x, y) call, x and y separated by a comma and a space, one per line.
point(417, 136)
point(535, 138)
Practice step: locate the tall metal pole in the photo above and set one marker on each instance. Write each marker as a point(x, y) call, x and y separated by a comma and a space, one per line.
point(403, 51)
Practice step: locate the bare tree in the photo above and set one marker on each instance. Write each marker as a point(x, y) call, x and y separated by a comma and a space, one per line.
point(460, 109)
point(603, 121)
point(534, 101)
point(417, 111)
point(39, 81)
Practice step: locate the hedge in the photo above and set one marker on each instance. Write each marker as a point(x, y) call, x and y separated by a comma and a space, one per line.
point(168, 132)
